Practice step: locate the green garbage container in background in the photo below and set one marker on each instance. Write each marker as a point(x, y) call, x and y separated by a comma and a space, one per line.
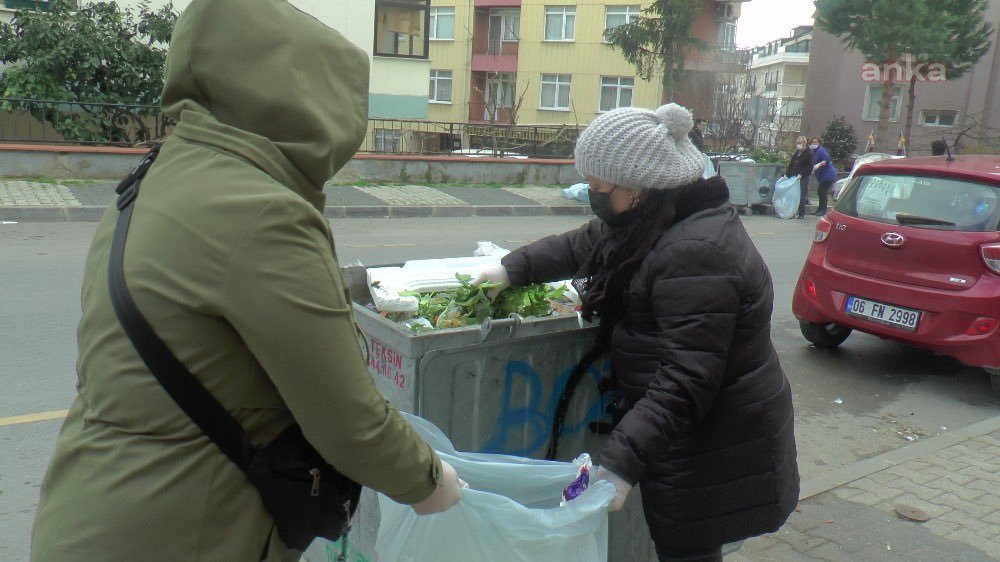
point(490, 388)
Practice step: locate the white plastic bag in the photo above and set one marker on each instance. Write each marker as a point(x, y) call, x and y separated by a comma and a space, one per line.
point(511, 512)
point(578, 191)
point(787, 197)
point(710, 171)
point(490, 249)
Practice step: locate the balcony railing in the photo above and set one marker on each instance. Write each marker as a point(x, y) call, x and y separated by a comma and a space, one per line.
point(484, 139)
point(497, 48)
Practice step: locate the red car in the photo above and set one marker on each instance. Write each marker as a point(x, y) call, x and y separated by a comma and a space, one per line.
point(911, 253)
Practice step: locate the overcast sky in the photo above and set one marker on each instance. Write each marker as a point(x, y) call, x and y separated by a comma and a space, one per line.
point(765, 20)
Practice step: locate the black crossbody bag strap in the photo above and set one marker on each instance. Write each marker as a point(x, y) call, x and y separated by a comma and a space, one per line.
point(206, 412)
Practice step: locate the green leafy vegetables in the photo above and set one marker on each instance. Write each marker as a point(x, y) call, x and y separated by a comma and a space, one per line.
point(470, 304)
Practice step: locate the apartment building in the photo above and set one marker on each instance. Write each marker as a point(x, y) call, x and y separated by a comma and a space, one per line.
point(966, 109)
point(400, 69)
point(545, 62)
point(778, 72)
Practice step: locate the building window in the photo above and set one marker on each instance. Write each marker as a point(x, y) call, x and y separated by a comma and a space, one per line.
point(505, 24)
point(440, 86)
point(388, 140)
point(938, 118)
point(555, 91)
point(616, 92)
point(505, 27)
point(727, 35)
point(874, 96)
point(560, 23)
point(792, 108)
point(800, 47)
point(442, 24)
point(620, 15)
point(498, 96)
point(401, 28)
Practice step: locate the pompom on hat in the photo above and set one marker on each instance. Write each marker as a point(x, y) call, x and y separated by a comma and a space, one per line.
point(641, 149)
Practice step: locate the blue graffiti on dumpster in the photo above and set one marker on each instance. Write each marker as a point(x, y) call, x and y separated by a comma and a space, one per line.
point(533, 421)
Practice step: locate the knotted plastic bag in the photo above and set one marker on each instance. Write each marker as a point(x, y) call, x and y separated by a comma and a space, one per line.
point(787, 197)
point(510, 512)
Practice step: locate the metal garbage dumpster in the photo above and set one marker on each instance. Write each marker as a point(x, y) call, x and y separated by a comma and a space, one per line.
point(490, 388)
point(751, 184)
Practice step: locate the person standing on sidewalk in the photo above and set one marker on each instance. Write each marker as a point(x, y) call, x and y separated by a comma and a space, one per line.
point(697, 134)
point(703, 410)
point(801, 165)
point(826, 173)
point(230, 260)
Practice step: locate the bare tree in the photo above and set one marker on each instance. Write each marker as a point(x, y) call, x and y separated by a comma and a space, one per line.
point(783, 123)
point(504, 135)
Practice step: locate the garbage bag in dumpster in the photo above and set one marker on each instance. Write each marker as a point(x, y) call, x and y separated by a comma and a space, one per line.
point(510, 512)
point(787, 197)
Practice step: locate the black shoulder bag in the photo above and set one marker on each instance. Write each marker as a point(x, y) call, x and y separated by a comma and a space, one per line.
point(306, 497)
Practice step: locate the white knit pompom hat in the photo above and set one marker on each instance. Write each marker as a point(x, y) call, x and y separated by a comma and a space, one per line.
point(641, 149)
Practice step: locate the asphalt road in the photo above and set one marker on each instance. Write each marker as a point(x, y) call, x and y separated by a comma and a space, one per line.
point(868, 397)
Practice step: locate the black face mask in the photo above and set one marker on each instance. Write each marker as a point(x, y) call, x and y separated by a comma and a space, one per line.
point(601, 204)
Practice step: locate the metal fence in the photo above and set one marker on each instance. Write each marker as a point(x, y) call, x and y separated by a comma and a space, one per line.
point(394, 136)
point(68, 122)
point(63, 122)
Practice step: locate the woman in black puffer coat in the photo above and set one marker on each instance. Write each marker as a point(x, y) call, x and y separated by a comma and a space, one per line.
point(801, 165)
point(703, 412)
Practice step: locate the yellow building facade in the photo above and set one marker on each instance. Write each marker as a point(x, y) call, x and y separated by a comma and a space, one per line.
point(538, 62)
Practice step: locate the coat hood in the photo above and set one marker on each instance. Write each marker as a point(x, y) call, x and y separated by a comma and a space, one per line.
point(265, 68)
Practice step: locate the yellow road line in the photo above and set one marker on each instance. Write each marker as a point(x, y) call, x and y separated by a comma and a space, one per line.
point(29, 418)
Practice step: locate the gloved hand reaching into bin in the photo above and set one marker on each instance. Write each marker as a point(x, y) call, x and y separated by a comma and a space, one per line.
point(447, 494)
point(622, 488)
point(496, 275)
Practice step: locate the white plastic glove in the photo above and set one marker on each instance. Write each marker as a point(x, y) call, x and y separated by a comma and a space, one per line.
point(622, 488)
point(447, 494)
point(496, 274)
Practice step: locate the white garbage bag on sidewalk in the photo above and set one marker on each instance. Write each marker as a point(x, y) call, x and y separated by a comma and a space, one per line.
point(578, 191)
point(510, 512)
point(787, 197)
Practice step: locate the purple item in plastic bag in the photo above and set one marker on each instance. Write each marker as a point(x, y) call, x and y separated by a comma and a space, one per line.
point(582, 481)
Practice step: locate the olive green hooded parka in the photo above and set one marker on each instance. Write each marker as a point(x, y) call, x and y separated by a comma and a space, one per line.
point(231, 261)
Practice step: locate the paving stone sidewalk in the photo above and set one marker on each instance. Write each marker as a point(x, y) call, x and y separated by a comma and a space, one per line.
point(22, 200)
point(955, 491)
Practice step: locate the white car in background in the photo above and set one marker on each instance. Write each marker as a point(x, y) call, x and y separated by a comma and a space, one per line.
point(867, 158)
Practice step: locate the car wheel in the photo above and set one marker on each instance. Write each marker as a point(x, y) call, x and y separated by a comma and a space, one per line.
point(826, 336)
point(994, 381)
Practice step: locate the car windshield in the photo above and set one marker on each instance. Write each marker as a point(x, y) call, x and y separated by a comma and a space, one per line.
point(923, 202)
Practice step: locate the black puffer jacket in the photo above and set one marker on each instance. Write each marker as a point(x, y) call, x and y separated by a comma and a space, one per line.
point(801, 164)
point(708, 431)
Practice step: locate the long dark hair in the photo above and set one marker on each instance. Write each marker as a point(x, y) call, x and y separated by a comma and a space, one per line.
point(603, 280)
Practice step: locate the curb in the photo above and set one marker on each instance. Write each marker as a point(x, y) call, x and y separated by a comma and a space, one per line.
point(862, 469)
point(94, 213)
point(52, 214)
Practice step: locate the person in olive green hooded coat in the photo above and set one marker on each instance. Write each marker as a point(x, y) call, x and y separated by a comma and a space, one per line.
point(231, 261)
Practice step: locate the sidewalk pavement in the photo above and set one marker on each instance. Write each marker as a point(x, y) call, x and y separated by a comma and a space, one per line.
point(935, 500)
point(79, 201)
point(25, 200)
